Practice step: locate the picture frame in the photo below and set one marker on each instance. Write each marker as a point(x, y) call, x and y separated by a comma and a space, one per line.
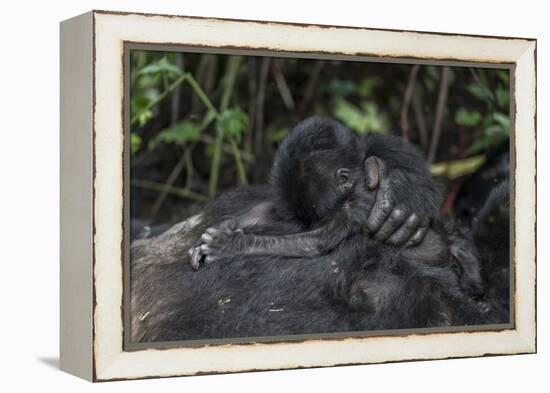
point(94, 196)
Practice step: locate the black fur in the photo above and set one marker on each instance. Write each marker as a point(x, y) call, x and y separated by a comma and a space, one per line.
point(491, 233)
point(302, 175)
point(362, 284)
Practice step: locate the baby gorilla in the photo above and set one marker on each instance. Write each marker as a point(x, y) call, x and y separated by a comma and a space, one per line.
point(315, 180)
point(322, 184)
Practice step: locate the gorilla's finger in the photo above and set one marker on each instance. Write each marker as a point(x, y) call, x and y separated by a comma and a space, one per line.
point(383, 206)
point(407, 229)
point(196, 258)
point(212, 231)
point(205, 249)
point(417, 238)
point(391, 224)
point(372, 172)
point(210, 258)
point(207, 238)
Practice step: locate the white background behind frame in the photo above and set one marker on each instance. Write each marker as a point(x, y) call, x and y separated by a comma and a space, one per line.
point(30, 312)
point(112, 30)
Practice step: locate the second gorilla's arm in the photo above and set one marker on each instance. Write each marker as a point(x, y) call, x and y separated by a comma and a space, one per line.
point(390, 221)
point(407, 198)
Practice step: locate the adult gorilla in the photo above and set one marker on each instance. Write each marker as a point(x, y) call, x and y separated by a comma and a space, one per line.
point(361, 281)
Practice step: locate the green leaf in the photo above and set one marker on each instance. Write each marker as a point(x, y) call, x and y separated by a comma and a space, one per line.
point(139, 102)
point(232, 122)
point(350, 115)
point(160, 67)
point(276, 135)
point(481, 92)
point(503, 97)
point(135, 143)
point(367, 86)
point(477, 147)
point(487, 143)
point(458, 168)
point(144, 116)
point(467, 118)
point(504, 76)
point(493, 129)
point(502, 119)
point(368, 118)
point(208, 118)
point(375, 119)
point(178, 134)
point(139, 105)
point(341, 88)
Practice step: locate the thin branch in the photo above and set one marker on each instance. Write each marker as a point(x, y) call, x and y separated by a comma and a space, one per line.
point(252, 88)
point(202, 95)
point(200, 76)
point(189, 166)
point(310, 88)
point(440, 111)
point(258, 141)
point(245, 156)
point(233, 65)
point(160, 97)
point(284, 90)
point(181, 192)
point(229, 81)
point(238, 161)
point(210, 78)
point(475, 75)
point(167, 185)
point(175, 101)
point(407, 102)
point(450, 199)
point(420, 120)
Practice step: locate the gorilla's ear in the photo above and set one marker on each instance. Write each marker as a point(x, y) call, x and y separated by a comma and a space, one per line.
point(469, 267)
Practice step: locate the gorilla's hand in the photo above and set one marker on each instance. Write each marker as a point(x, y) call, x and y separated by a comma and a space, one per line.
point(217, 241)
point(390, 221)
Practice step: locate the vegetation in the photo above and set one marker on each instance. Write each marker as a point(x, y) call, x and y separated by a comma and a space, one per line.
point(203, 123)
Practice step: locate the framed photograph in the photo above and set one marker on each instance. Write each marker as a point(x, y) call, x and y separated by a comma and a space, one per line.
point(245, 195)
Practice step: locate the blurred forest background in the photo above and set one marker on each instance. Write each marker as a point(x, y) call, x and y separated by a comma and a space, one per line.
point(202, 123)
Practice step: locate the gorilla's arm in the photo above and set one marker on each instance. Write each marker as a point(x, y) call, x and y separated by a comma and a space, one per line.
point(230, 239)
point(371, 208)
point(407, 198)
point(390, 221)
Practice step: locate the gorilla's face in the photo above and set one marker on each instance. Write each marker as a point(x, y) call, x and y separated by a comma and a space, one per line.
point(322, 185)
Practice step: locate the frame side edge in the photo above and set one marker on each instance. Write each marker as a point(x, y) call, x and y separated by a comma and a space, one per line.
point(76, 210)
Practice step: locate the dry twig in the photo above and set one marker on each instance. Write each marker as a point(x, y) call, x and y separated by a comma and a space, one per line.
point(407, 101)
point(167, 185)
point(284, 90)
point(440, 111)
point(420, 120)
point(310, 88)
point(260, 98)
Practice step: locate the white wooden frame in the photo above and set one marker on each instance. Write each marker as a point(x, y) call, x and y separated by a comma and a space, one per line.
point(92, 143)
